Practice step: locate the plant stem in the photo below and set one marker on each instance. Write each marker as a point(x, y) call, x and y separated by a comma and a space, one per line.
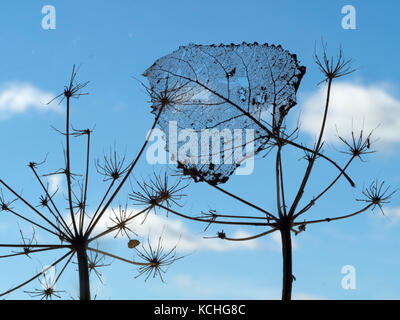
point(287, 263)
point(68, 170)
point(132, 166)
point(314, 156)
point(83, 212)
point(84, 284)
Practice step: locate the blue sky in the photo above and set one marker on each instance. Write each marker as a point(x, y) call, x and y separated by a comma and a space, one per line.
point(113, 43)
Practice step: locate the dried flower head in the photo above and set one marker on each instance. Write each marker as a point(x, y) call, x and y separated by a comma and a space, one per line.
point(121, 220)
point(333, 68)
point(169, 96)
point(96, 261)
point(158, 259)
point(5, 205)
point(43, 201)
point(47, 292)
point(81, 132)
point(358, 146)
point(377, 194)
point(146, 196)
point(27, 242)
point(34, 165)
point(73, 89)
point(113, 167)
point(167, 193)
point(159, 191)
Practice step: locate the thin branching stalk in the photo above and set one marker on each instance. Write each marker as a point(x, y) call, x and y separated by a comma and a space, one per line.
point(82, 220)
point(50, 198)
point(313, 201)
point(37, 275)
point(88, 232)
point(312, 161)
point(117, 257)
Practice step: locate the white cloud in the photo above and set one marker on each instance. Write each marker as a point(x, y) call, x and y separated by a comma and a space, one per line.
point(305, 296)
point(393, 214)
point(354, 106)
point(18, 97)
point(174, 231)
point(55, 182)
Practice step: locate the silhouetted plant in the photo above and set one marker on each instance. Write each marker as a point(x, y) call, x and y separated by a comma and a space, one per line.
point(47, 292)
point(251, 86)
point(77, 232)
point(158, 259)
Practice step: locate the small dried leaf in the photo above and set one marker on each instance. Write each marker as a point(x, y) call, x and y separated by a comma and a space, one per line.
point(133, 243)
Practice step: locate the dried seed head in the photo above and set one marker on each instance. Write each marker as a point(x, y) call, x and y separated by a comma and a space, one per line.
point(358, 146)
point(170, 96)
point(121, 220)
point(27, 242)
point(113, 166)
point(333, 68)
point(34, 165)
point(377, 194)
point(73, 89)
point(43, 201)
point(159, 191)
point(96, 261)
point(81, 132)
point(157, 258)
point(47, 293)
point(5, 205)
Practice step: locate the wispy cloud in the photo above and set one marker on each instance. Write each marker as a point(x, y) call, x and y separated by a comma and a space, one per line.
point(365, 107)
point(55, 182)
point(19, 97)
point(392, 214)
point(175, 231)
